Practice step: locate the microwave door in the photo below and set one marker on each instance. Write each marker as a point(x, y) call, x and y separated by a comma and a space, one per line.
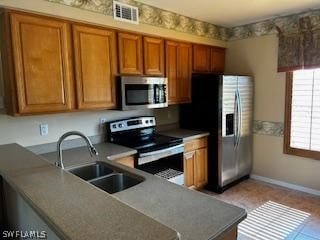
point(137, 94)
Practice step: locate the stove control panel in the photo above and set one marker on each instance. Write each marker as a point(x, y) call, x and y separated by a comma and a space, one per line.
point(132, 123)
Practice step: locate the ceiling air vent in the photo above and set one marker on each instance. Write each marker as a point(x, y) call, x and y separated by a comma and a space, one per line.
point(125, 12)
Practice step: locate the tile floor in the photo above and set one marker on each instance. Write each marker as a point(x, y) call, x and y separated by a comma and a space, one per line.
point(251, 194)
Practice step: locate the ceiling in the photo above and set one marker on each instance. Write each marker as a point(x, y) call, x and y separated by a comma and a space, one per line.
point(230, 13)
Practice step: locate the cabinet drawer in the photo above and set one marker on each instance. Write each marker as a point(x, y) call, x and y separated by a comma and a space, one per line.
point(195, 144)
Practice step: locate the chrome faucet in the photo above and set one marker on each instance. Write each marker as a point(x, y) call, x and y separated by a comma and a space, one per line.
point(91, 148)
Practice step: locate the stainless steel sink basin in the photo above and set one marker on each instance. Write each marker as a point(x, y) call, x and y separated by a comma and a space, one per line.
point(108, 178)
point(91, 171)
point(116, 182)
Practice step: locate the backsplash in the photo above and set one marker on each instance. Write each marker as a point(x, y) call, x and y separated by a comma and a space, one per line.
point(154, 16)
point(26, 132)
point(268, 128)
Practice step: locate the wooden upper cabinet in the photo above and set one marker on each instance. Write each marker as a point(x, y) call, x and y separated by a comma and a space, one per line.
point(172, 71)
point(217, 59)
point(179, 71)
point(42, 64)
point(208, 59)
point(153, 56)
point(201, 58)
point(185, 72)
point(95, 67)
point(130, 53)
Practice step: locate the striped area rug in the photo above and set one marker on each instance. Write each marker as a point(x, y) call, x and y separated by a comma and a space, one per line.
point(272, 221)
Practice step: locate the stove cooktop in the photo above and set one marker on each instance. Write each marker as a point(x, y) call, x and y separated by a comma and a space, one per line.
point(157, 142)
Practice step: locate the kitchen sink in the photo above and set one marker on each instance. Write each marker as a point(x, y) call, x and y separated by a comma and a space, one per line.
point(106, 177)
point(91, 171)
point(116, 182)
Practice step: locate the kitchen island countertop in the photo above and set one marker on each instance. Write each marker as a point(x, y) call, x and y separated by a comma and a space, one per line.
point(153, 209)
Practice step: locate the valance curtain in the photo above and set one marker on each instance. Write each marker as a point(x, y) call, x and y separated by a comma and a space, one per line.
point(300, 49)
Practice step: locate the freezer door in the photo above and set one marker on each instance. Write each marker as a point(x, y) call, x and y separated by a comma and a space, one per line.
point(244, 148)
point(227, 164)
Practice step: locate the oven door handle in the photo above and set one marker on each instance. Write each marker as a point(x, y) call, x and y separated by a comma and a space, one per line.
point(156, 155)
point(160, 151)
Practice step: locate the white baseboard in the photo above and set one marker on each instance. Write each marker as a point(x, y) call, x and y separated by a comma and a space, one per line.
point(285, 184)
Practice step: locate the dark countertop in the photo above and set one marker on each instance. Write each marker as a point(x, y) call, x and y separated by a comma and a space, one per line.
point(165, 208)
point(185, 134)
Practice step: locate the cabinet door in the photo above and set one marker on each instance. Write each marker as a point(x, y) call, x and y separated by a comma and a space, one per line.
point(153, 56)
point(200, 167)
point(201, 58)
point(172, 71)
point(217, 59)
point(188, 168)
point(130, 53)
point(43, 69)
point(95, 65)
point(185, 72)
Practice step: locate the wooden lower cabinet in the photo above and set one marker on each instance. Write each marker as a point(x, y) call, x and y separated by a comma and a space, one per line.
point(200, 167)
point(195, 163)
point(188, 168)
point(127, 161)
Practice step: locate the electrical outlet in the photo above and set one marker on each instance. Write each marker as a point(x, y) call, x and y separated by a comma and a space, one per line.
point(102, 122)
point(44, 129)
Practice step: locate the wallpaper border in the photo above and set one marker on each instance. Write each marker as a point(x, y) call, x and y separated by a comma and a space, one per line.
point(166, 19)
point(268, 128)
point(154, 16)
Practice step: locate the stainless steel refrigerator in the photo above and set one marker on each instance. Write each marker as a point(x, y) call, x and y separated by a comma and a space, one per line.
point(223, 106)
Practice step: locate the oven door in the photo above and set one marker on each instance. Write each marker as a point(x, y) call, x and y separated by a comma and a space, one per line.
point(143, 92)
point(165, 163)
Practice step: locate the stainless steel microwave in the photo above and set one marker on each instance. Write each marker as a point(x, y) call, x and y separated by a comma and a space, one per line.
point(143, 92)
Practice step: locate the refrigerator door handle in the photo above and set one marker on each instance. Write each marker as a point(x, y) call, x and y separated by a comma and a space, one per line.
point(239, 118)
point(235, 120)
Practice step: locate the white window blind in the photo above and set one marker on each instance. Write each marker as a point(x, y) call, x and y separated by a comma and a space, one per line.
point(305, 110)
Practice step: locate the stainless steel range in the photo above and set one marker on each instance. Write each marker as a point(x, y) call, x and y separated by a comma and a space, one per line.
point(157, 154)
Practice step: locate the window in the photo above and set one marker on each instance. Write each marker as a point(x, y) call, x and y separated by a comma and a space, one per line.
point(302, 118)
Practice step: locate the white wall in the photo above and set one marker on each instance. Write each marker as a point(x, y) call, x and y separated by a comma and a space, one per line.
point(26, 131)
point(258, 57)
